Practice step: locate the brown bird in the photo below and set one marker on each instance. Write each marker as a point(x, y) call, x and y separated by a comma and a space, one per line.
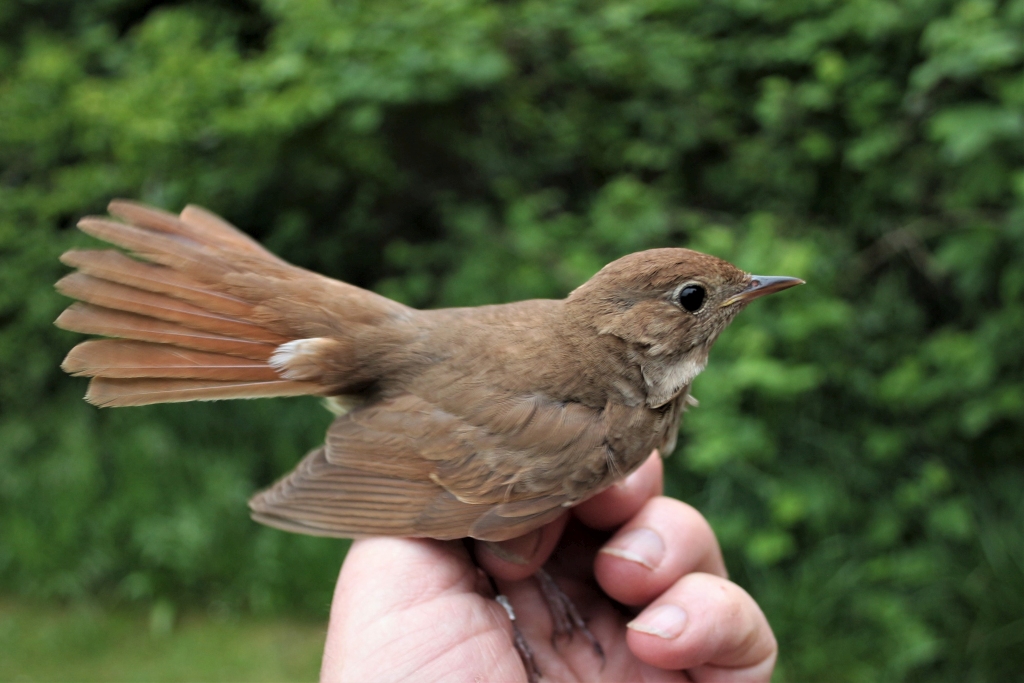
point(484, 422)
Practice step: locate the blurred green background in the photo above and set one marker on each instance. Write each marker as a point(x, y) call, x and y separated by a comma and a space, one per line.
point(858, 447)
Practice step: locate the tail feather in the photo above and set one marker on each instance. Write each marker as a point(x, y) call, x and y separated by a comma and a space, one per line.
point(90, 319)
point(121, 359)
point(149, 217)
point(172, 249)
point(194, 222)
point(115, 393)
point(111, 265)
point(120, 297)
point(198, 312)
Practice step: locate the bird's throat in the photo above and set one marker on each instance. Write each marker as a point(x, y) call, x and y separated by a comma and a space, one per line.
point(665, 377)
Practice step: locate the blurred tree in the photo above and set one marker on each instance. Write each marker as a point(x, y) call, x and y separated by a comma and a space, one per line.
point(858, 444)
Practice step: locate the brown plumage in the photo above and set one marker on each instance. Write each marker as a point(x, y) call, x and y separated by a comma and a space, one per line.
point(482, 422)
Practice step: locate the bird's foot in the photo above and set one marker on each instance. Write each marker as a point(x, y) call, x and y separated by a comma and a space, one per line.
point(522, 647)
point(565, 617)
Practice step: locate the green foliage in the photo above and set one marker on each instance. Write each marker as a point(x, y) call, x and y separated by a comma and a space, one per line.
point(858, 442)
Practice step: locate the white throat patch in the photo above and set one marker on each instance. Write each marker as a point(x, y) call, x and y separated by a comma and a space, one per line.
point(665, 378)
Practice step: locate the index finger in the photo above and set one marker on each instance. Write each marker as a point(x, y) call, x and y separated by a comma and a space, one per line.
point(520, 557)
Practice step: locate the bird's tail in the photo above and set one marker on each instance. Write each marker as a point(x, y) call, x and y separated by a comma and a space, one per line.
point(198, 312)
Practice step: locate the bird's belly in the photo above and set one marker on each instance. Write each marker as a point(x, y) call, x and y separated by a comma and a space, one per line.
point(567, 449)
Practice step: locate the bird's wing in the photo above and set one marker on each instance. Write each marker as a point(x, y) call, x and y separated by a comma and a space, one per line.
point(491, 467)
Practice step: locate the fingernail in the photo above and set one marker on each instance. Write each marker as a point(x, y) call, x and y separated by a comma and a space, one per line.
point(517, 550)
point(665, 621)
point(642, 546)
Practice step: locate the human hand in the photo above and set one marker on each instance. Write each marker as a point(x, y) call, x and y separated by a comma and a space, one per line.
point(414, 609)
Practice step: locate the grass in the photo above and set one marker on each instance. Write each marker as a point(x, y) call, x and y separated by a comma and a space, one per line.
point(87, 643)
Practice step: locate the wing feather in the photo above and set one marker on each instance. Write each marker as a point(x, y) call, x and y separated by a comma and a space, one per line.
point(405, 466)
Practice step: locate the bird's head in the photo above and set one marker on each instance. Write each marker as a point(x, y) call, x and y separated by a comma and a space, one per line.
point(669, 306)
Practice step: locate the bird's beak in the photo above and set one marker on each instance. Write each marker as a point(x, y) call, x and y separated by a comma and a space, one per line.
point(761, 285)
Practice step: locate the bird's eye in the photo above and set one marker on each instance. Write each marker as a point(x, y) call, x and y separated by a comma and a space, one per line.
point(691, 297)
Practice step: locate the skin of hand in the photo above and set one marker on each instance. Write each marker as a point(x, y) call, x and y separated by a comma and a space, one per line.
point(645, 571)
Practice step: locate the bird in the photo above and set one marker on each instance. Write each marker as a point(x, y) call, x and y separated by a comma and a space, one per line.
point(482, 422)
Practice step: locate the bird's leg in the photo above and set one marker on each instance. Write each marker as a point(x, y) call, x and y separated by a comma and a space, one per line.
point(522, 647)
point(565, 617)
point(533, 673)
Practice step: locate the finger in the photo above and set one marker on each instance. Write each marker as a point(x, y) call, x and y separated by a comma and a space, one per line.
point(663, 542)
point(518, 558)
point(708, 626)
point(616, 504)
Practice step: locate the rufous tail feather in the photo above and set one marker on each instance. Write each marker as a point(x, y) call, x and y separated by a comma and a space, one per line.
point(180, 331)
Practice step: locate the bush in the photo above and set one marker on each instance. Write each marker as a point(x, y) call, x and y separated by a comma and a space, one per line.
point(858, 443)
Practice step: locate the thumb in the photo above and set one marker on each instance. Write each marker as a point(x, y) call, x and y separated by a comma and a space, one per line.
point(387, 574)
point(391, 618)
